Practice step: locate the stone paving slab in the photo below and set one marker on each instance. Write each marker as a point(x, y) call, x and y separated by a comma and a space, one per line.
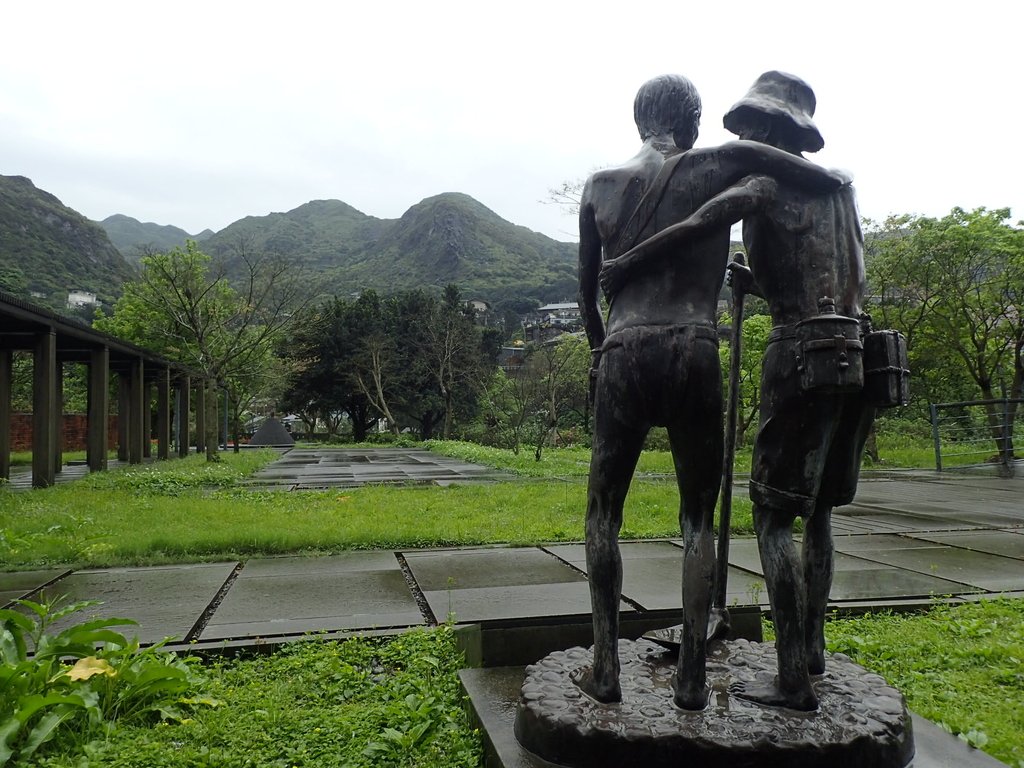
point(1008, 543)
point(862, 519)
point(166, 601)
point(286, 595)
point(18, 584)
point(992, 573)
point(652, 574)
point(990, 482)
point(513, 602)
point(439, 570)
point(878, 542)
point(315, 468)
point(498, 584)
point(882, 582)
point(947, 500)
point(343, 562)
point(628, 550)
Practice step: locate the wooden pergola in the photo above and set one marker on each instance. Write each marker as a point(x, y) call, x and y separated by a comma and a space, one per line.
point(55, 340)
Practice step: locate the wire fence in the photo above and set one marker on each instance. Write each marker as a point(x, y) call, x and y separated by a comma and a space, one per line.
point(976, 432)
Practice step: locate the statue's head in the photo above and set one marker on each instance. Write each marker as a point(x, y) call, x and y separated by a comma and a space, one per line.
point(777, 110)
point(668, 104)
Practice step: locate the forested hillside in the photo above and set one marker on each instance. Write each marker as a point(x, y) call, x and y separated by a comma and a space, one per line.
point(50, 249)
point(134, 238)
point(449, 238)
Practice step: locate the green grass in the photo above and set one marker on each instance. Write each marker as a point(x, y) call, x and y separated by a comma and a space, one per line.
point(188, 510)
point(328, 704)
point(961, 666)
point(558, 462)
point(312, 704)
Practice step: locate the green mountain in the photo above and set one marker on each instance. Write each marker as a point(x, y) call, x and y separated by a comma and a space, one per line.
point(317, 236)
point(47, 248)
point(134, 238)
point(449, 238)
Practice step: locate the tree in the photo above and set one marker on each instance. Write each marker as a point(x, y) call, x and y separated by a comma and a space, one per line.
point(955, 287)
point(567, 195)
point(456, 354)
point(753, 343)
point(182, 307)
point(322, 349)
point(561, 368)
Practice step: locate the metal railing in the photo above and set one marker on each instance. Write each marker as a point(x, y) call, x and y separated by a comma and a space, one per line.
point(975, 432)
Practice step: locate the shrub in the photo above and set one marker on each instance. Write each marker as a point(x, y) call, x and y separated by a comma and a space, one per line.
point(44, 698)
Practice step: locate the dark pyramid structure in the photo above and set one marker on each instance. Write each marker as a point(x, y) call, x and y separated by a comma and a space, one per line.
point(272, 434)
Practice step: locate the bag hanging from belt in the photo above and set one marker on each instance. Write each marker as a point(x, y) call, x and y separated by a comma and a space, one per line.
point(829, 352)
point(886, 371)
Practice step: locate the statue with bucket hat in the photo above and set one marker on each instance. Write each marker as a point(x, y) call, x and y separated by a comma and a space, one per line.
point(730, 702)
point(806, 259)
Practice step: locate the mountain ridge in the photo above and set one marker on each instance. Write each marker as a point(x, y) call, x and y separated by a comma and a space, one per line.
point(48, 249)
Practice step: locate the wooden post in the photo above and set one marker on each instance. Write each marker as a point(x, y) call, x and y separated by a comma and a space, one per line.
point(147, 419)
point(6, 372)
point(201, 416)
point(184, 395)
point(136, 409)
point(58, 419)
point(99, 404)
point(124, 413)
point(163, 413)
point(44, 404)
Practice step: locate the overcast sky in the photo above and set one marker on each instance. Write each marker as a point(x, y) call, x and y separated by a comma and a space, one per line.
point(197, 114)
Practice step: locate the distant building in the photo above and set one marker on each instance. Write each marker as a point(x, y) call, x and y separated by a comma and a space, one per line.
point(79, 299)
point(552, 320)
point(512, 357)
point(482, 311)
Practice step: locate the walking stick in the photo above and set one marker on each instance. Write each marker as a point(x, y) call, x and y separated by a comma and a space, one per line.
point(718, 625)
point(718, 618)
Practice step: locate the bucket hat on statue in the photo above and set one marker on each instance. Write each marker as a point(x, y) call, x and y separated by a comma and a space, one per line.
point(782, 97)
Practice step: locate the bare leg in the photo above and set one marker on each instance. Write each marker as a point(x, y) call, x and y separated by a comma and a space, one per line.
point(818, 556)
point(784, 577)
point(697, 454)
point(695, 516)
point(614, 456)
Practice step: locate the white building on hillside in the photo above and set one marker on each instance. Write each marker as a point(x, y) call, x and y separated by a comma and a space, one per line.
point(77, 299)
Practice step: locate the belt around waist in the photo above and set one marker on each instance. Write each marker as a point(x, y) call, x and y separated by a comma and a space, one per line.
point(699, 330)
point(781, 333)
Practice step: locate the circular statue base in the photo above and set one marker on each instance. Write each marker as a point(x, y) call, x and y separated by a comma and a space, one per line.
point(860, 721)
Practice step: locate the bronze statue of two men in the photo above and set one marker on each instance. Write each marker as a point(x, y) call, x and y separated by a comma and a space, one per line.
point(654, 232)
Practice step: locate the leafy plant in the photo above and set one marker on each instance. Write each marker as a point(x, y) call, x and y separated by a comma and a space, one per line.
point(360, 703)
point(78, 681)
point(959, 665)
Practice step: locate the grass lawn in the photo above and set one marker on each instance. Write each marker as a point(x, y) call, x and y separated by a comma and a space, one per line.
point(188, 510)
point(396, 702)
point(960, 666)
point(312, 704)
point(384, 702)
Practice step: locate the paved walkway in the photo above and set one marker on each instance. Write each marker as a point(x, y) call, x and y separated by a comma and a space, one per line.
point(907, 539)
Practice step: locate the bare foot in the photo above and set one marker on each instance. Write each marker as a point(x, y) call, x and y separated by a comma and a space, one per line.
point(691, 697)
point(607, 692)
point(771, 695)
point(718, 624)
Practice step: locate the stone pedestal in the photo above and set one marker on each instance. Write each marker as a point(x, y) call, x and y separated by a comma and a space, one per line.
point(861, 720)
